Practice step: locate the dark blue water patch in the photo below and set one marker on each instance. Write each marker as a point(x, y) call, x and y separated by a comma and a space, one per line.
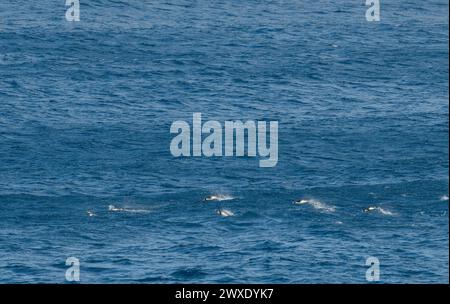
point(188, 273)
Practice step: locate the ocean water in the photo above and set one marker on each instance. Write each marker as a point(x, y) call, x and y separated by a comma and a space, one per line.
point(86, 170)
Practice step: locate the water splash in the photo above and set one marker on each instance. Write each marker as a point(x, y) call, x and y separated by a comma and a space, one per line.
point(316, 204)
point(219, 197)
point(113, 208)
point(377, 209)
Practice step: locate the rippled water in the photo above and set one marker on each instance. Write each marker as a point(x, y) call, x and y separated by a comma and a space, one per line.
point(86, 171)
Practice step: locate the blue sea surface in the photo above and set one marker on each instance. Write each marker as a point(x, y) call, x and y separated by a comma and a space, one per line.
point(86, 169)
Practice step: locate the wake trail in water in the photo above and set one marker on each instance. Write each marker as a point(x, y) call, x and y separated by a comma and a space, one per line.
point(219, 197)
point(316, 204)
point(113, 208)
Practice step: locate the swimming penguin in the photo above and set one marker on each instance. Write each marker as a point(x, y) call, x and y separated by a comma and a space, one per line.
point(212, 198)
point(224, 212)
point(302, 201)
point(369, 209)
point(91, 213)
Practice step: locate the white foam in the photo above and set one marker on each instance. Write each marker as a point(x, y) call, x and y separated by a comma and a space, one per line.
point(316, 204)
point(115, 209)
point(444, 198)
point(219, 197)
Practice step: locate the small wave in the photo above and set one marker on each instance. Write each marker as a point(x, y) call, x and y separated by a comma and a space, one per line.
point(444, 198)
point(90, 213)
point(116, 209)
point(316, 204)
point(219, 197)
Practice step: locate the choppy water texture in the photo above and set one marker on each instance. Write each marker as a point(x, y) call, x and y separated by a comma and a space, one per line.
point(86, 171)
